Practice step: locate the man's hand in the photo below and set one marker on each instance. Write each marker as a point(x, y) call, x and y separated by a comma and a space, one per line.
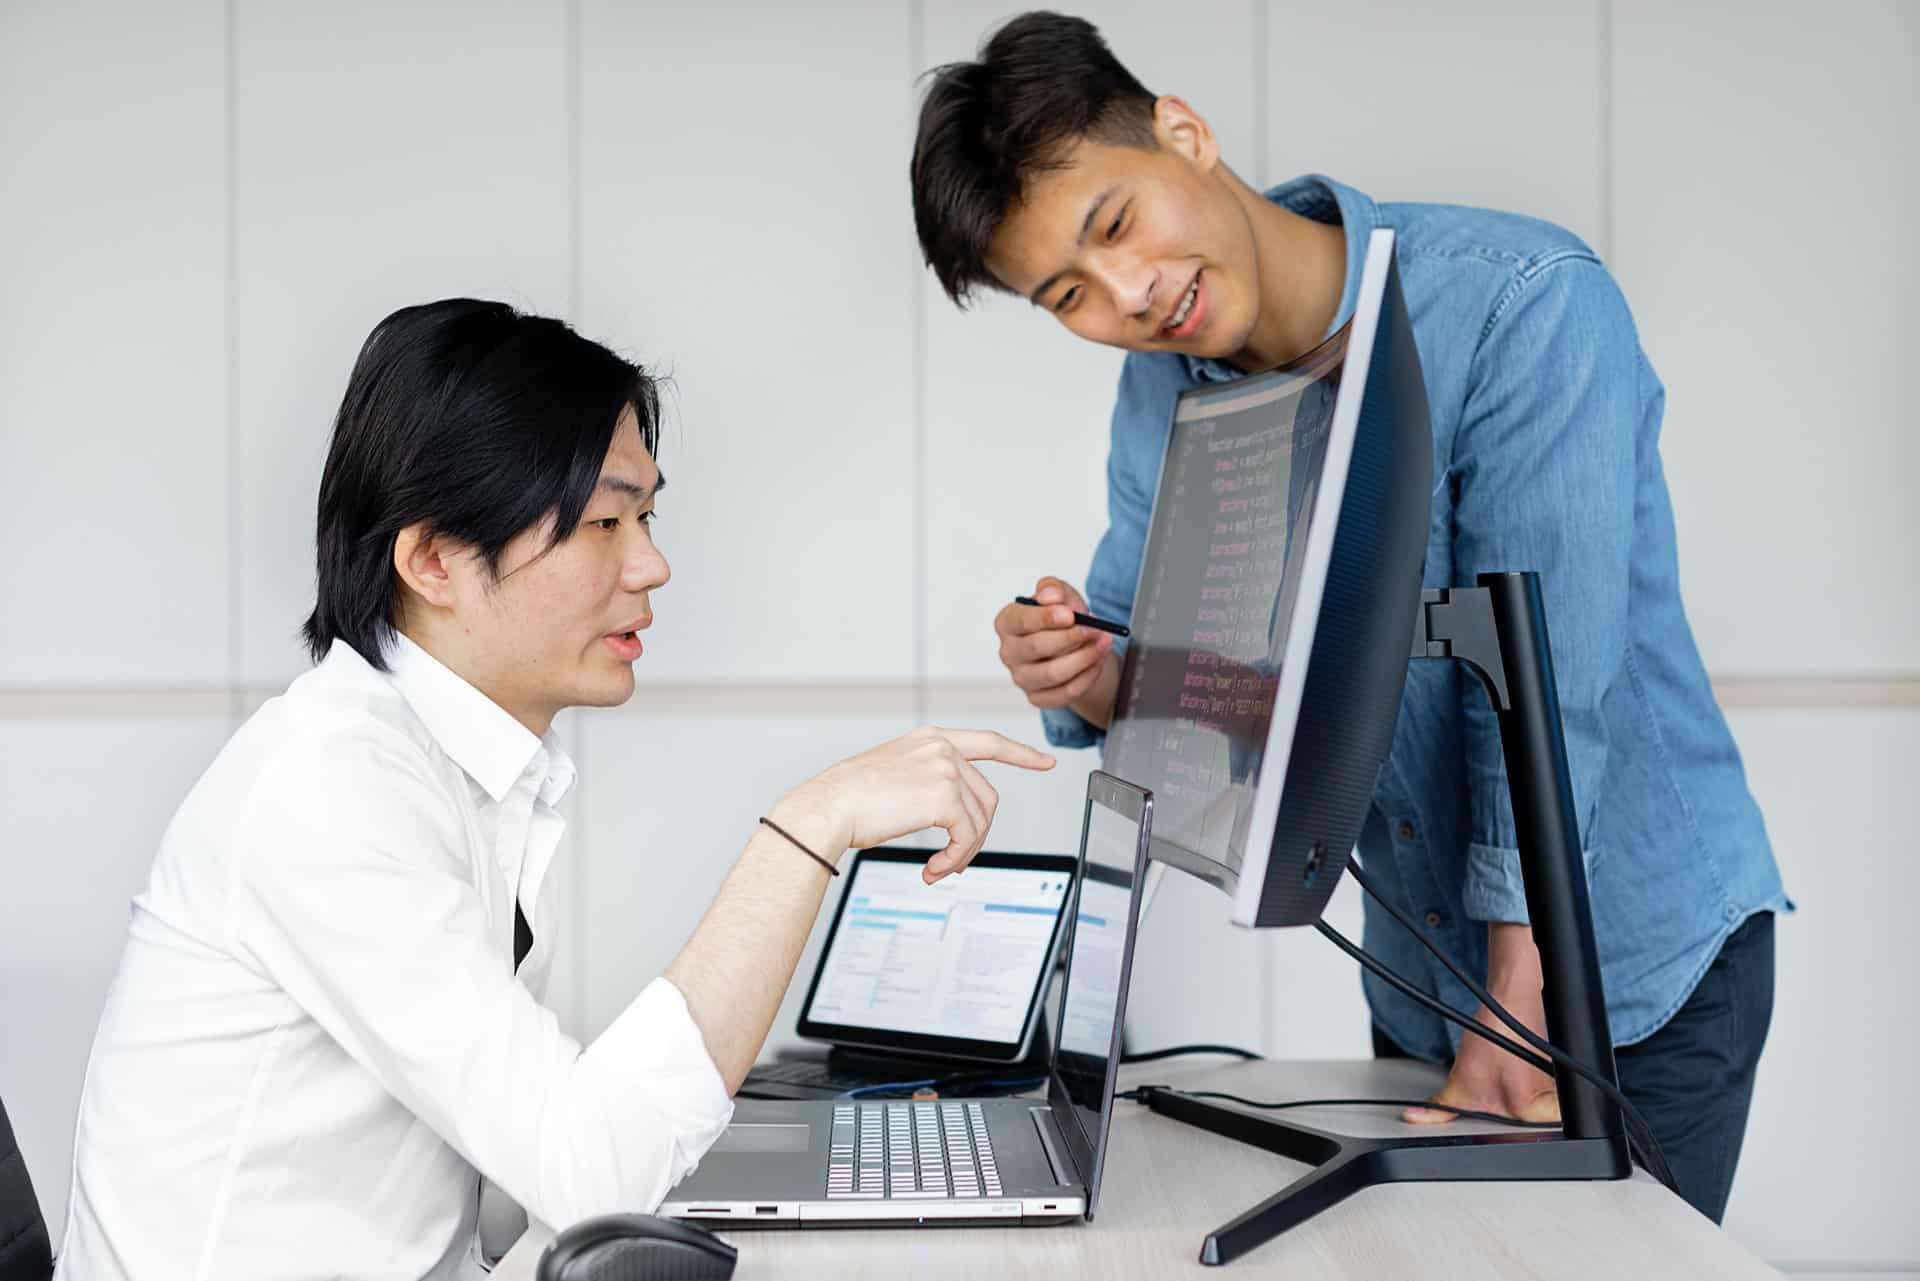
point(737, 965)
point(1056, 662)
point(922, 779)
point(1485, 1078)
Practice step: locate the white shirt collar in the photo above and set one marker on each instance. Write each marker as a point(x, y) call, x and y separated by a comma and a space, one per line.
point(479, 735)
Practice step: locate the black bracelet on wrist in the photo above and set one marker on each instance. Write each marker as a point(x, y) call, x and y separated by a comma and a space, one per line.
point(831, 869)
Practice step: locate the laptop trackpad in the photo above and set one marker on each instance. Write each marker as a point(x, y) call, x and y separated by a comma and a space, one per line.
point(752, 1137)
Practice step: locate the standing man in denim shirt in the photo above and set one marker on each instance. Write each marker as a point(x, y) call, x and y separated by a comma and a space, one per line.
point(1046, 170)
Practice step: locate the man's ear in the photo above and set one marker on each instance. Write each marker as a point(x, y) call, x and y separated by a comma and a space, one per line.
point(1186, 132)
point(420, 560)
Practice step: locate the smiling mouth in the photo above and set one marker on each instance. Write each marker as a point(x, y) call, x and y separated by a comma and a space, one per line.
point(1185, 308)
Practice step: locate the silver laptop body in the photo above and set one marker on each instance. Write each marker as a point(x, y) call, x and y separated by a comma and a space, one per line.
point(950, 1162)
point(884, 1161)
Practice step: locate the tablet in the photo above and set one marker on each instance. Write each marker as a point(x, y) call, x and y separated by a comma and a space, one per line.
point(957, 968)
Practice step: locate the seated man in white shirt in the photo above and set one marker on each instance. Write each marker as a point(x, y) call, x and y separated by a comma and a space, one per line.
point(317, 1043)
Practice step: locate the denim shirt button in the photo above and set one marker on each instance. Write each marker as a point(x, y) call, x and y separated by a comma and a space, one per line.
point(1404, 831)
point(1435, 920)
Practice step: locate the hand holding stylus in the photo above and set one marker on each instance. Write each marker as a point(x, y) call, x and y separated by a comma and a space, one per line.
point(1056, 660)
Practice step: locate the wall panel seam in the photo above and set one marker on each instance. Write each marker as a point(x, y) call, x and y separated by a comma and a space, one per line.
point(799, 697)
point(1263, 164)
point(580, 865)
point(230, 132)
point(1604, 85)
point(917, 303)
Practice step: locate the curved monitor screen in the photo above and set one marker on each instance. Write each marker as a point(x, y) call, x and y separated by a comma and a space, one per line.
point(1218, 579)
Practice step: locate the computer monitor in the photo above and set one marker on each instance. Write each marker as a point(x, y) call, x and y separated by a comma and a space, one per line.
point(1280, 600)
point(1290, 520)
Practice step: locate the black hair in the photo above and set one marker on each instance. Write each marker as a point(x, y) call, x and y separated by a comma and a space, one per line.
point(1043, 82)
point(473, 419)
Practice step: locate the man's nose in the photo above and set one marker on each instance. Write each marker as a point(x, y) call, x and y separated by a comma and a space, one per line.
point(1133, 286)
point(647, 568)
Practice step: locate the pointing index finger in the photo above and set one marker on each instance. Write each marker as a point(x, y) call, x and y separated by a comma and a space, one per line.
point(987, 745)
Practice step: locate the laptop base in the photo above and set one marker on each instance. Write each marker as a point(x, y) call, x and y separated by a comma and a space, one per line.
point(1008, 1215)
point(783, 1165)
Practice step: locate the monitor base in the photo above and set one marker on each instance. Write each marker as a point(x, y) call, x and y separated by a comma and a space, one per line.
point(1344, 1165)
point(1498, 628)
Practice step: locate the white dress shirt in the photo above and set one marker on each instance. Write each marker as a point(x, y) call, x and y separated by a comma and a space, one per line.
point(316, 1045)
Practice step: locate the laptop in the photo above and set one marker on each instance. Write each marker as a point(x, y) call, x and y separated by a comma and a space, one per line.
point(947, 1162)
point(919, 984)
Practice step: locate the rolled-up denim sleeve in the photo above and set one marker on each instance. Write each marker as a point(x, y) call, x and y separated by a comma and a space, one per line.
point(1545, 464)
point(1135, 447)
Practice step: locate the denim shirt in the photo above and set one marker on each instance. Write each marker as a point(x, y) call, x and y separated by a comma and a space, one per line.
point(1546, 422)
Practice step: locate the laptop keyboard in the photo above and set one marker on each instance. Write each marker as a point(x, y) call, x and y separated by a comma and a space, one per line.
point(900, 1151)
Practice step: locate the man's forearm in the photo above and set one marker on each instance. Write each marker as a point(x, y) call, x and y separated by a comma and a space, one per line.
point(736, 967)
point(1513, 961)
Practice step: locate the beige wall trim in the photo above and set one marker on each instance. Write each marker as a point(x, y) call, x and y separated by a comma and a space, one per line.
point(947, 700)
point(1779, 693)
point(1735, 693)
point(112, 702)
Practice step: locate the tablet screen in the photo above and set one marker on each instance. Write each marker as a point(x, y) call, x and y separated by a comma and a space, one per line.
point(961, 960)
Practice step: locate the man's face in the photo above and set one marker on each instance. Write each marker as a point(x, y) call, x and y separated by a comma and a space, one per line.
point(560, 627)
point(1149, 250)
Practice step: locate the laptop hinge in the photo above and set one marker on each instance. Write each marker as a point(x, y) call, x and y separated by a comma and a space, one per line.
point(1055, 1159)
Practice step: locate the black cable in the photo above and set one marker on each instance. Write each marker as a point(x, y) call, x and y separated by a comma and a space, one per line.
point(1653, 1158)
point(1140, 1093)
point(978, 1079)
point(1412, 993)
point(1174, 1051)
point(943, 1085)
point(973, 1080)
point(1639, 1130)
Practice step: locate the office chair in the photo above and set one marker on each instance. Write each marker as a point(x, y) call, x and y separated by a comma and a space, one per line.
point(25, 1252)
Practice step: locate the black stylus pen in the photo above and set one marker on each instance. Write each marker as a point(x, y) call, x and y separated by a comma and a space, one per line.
point(1085, 620)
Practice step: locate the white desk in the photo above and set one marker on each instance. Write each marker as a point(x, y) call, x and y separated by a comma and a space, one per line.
point(1167, 1184)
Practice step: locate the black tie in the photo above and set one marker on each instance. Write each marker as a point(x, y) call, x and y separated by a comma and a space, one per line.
point(522, 936)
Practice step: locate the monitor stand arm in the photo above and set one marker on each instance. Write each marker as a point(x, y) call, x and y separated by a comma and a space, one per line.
point(1499, 630)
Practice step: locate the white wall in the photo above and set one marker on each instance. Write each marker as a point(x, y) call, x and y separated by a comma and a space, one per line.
point(206, 209)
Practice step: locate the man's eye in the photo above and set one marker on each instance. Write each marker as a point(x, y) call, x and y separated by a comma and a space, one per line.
point(646, 518)
point(608, 525)
point(1066, 299)
point(1113, 232)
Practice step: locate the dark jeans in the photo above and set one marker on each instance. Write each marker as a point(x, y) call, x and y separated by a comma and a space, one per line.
point(1693, 1079)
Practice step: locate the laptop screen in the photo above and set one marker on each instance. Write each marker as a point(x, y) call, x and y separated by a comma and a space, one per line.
point(1099, 949)
point(953, 967)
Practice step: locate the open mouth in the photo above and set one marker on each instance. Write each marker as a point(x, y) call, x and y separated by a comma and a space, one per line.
point(625, 645)
point(1177, 323)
